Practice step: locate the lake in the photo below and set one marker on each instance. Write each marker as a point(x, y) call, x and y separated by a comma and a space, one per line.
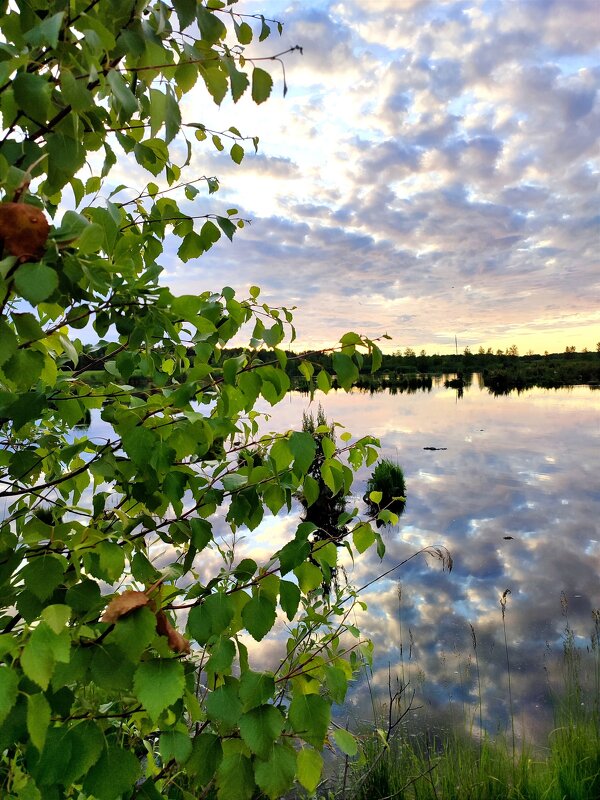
point(515, 497)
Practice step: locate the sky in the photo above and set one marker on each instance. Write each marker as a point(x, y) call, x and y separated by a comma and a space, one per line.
point(431, 173)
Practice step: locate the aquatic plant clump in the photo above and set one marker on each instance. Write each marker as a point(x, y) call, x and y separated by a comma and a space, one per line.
point(387, 480)
point(325, 507)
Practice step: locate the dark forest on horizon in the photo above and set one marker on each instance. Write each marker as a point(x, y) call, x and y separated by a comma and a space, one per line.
point(500, 372)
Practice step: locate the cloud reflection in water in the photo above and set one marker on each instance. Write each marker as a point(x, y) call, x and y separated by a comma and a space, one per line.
point(521, 466)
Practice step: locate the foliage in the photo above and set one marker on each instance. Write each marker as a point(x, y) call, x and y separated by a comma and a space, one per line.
point(109, 544)
point(386, 489)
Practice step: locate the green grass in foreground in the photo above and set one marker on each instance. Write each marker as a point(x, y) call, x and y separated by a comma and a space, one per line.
point(462, 769)
point(399, 766)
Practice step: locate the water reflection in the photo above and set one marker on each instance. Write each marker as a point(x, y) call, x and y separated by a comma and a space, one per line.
point(510, 485)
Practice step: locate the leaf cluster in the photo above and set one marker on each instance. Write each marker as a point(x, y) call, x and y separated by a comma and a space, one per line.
point(127, 622)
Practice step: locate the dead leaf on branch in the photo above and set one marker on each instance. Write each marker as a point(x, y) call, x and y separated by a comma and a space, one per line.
point(177, 642)
point(124, 604)
point(24, 230)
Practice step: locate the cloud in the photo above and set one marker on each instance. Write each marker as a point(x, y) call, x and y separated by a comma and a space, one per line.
point(423, 147)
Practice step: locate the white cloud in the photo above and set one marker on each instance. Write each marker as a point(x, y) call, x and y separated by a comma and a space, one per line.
point(422, 146)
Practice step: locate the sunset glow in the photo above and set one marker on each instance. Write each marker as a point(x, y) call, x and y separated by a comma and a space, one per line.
point(432, 173)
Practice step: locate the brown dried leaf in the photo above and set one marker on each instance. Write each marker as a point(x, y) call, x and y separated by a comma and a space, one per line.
point(123, 604)
point(24, 229)
point(177, 642)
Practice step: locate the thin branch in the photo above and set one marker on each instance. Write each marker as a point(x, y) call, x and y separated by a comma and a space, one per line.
point(26, 490)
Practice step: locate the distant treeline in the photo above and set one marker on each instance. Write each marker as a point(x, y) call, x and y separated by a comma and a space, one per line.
point(501, 373)
point(409, 372)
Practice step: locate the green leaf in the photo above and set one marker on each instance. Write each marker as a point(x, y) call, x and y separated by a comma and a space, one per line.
point(9, 683)
point(310, 490)
point(235, 777)
point(363, 537)
point(259, 615)
point(345, 369)
point(326, 554)
point(209, 234)
point(54, 761)
point(35, 282)
point(221, 657)
point(216, 83)
point(110, 671)
point(8, 342)
point(376, 358)
point(276, 775)
point(139, 444)
point(211, 27)
point(192, 246)
point(88, 745)
point(260, 727)
point(66, 155)
point(309, 577)
point(337, 683)
point(201, 533)
point(32, 93)
point(186, 12)
point(91, 239)
point(262, 83)
point(227, 227)
point(293, 554)
point(158, 683)
point(309, 768)
point(303, 447)
point(41, 653)
point(186, 75)
point(237, 153)
point(43, 574)
point(133, 633)
point(38, 719)
point(211, 617)
point(46, 31)
point(238, 81)
point(346, 742)
point(328, 447)
point(309, 715)
point(174, 744)
point(289, 598)
point(256, 688)
point(206, 756)
point(281, 454)
point(84, 596)
point(56, 617)
point(123, 95)
point(223, 705)
point(265, 30)
point(243, 31)
point(323, 381)
point(28, 326)
point(113, 775)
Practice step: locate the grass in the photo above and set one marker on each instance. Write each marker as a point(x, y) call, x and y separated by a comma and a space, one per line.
point(387, 478)
point(469, 764)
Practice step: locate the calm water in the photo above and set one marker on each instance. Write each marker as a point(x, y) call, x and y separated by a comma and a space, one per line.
point(515, 497)
point(521, 466)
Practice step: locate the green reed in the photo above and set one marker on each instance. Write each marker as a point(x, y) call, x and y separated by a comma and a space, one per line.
point(400, 764)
